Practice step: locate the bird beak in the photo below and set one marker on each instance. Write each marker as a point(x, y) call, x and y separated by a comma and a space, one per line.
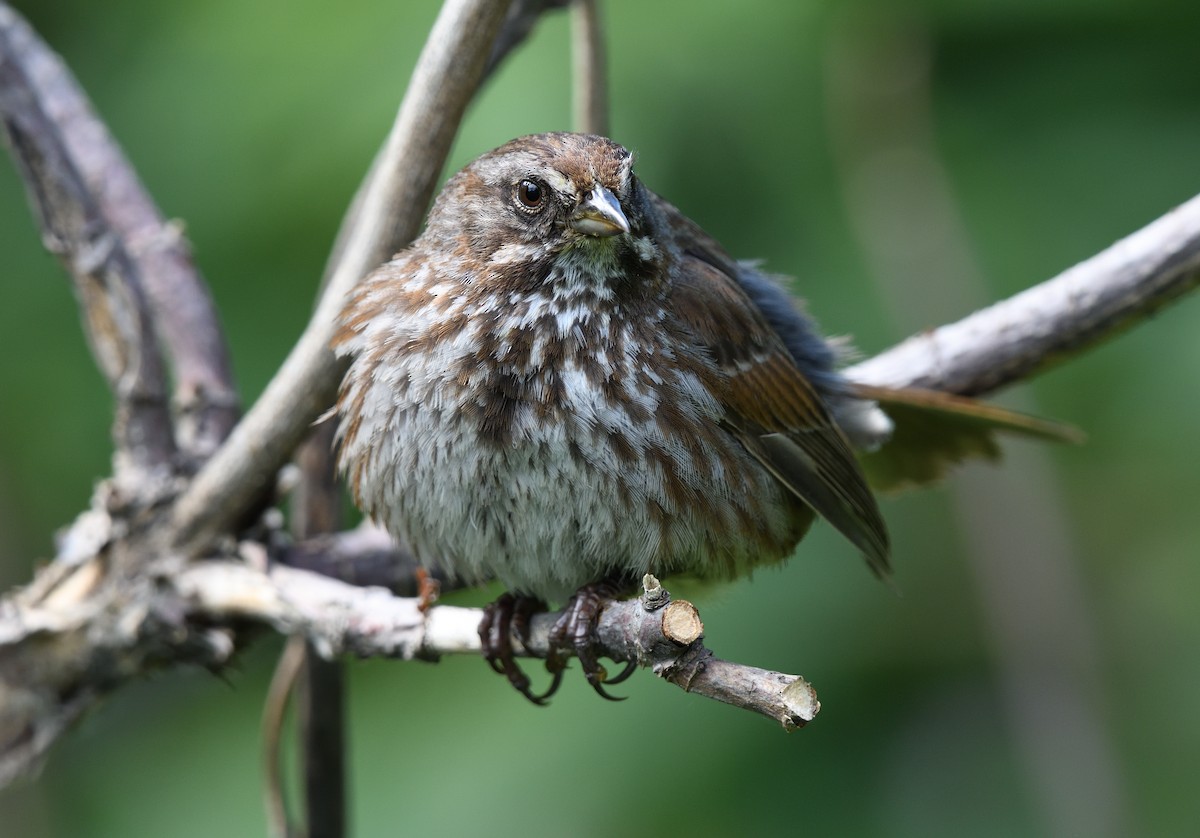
point(599, 215)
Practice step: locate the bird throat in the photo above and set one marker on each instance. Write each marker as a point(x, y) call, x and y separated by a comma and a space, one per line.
point(614, 269)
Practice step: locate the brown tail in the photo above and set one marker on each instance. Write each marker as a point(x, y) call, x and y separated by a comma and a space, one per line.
point(935, 430)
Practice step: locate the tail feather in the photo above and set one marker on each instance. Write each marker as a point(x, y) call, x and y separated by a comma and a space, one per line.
point(935, 431)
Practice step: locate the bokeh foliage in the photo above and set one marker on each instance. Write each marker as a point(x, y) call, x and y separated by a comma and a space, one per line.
point(1063, 125)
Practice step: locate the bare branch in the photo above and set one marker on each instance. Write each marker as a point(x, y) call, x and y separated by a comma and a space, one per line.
point(1056, 320)
point(392, 206)
point(72, 636)
point(60, 151)
point(365, 556)
point(80, 631)
point(320, 690)
point(119, 601)
point(369, 622)
point(522, 16)
point(589, 73)
point(60, 655)
point(185, 319)
point(321, 710)
point(279, 693)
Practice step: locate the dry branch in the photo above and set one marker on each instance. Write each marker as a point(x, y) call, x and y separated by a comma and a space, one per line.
point(390, 210)
point(64, 157)
point(124, 597)
point(67, 639)
point(320, 692)
point(338, 619)
point(1051, 322)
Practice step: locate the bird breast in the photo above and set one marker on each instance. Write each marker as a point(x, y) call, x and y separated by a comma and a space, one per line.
point(548, 439)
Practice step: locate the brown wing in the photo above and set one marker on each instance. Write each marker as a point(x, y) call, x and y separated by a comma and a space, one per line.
point(772, 408)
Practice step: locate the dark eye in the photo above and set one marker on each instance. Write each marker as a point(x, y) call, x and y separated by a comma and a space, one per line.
point(531, 194)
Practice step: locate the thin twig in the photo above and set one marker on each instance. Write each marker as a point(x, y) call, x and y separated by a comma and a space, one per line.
point(589, 95)
point(283, 681)
point(62, 155)
point(446, 77)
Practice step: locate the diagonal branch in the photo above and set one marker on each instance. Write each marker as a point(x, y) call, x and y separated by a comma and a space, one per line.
point(53, 134)
point(65, 642)
point(185, 320)
point(1062, 317)
point(118, 602)
point(390, 210)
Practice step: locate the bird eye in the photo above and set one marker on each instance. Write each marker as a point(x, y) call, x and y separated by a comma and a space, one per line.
point(531, 194)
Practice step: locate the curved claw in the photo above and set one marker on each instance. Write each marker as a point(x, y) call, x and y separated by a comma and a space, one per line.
point(599, 680)
point(544, 699)
point(600, 691)
point(624, 674)
point(507, 616)
point(575, 631)
point(486, 625)
point(493, 633)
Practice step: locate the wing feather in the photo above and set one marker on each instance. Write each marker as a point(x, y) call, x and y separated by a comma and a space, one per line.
point(773, 410)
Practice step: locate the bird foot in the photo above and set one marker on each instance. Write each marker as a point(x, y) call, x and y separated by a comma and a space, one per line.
point(505, 617)
point(574, 631)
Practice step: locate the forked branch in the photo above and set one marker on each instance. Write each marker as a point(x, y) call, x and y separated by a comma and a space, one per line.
point(388, 213)
point(121, 600)
point(64, 157)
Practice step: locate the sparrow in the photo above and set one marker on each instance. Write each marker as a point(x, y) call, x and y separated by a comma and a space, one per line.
point(564, 384)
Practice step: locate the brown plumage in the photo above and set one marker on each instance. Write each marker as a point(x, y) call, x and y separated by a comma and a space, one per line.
point(564, 382)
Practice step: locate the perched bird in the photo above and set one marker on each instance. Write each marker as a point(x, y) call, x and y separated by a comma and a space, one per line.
point(564, 384)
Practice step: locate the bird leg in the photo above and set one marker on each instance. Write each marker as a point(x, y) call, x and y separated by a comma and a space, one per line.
point(428, 589)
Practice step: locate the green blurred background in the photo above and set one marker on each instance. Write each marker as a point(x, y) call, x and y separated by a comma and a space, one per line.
point(1039, 674)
